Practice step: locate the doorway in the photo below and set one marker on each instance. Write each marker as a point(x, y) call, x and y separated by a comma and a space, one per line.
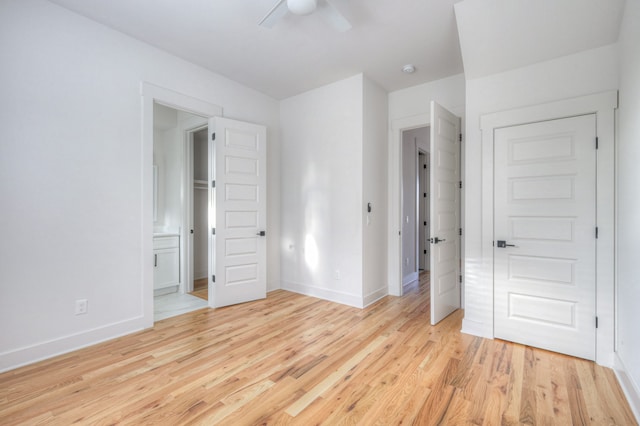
point(445, 140)
point(481, 319)
point(174, 130)
point(424, 255)
point(198, 155)
point(415, 196)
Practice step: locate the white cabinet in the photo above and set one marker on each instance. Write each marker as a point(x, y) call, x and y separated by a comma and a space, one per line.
point(166, 262)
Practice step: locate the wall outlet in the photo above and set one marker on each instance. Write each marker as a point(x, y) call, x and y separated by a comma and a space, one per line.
point(81, 306)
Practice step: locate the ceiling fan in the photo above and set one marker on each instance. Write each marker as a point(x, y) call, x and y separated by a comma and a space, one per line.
point(306, 7)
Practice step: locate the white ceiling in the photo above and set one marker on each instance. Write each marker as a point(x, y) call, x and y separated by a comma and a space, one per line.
point(499, 35)
point(300, 52)
point(304, 52)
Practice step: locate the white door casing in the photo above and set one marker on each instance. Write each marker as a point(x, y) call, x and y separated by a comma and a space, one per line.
point(445, 213)
point(479, 317)
point(545, 210)
point(238, 212)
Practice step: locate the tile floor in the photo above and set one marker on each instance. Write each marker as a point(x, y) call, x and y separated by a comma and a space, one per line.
point(172, 304)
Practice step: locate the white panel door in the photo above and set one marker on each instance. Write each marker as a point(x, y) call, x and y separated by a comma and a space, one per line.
point(445, 213)
point(238, 247)
point(545, 235)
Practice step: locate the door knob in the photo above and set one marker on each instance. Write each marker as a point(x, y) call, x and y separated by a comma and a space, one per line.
point(436, 240)
point(503, 244)
point(261, 233)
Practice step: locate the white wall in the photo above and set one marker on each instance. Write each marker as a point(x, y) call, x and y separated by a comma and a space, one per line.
point(448, 92)
point(628, 235)
point(374, 180)
point(71, 176)
point(322, 191)
point(168, 156)
point(571, 76)
point(410, 108)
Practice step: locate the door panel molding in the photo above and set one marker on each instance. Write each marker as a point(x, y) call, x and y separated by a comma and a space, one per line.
point(603, 105)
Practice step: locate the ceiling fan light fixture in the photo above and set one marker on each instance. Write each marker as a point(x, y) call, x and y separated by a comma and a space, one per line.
point(302, 7)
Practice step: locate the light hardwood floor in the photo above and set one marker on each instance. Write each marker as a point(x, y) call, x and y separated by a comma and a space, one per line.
point(201, 289)
point(292, 359)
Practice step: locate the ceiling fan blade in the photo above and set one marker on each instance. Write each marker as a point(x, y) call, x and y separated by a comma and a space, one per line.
point(275, 14)
point(333, 16)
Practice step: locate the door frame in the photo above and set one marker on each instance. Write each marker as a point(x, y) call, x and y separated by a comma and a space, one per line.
point(394, 191)
point(394, 188)
point(603, 105)
point(151, 93)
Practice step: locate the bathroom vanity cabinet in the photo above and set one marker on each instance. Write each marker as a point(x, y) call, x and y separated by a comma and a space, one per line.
point(166, 263)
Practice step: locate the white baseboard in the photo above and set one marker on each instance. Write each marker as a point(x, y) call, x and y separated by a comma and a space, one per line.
point(28, 355)
point(475, 329)
point(272, 286)
point(324, 293)
point(629, 387)
point(406, 280)
point(375, 296)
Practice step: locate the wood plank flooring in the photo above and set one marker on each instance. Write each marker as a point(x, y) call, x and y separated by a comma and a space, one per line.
point(296, 360)
point(201, 289)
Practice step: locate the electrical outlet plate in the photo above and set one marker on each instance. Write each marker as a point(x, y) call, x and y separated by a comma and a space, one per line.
point(81, 306)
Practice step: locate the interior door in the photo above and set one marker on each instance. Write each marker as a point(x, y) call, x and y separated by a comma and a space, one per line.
point(423, 205)
point(545, 235)
point(238, 210)
point(445, 213)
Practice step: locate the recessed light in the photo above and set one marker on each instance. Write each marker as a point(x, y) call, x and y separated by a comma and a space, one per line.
point(408, 69)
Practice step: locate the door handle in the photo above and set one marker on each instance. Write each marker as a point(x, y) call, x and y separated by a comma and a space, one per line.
point(503, 244)
point(155, 260)
point(436, 240)
point(261, 233)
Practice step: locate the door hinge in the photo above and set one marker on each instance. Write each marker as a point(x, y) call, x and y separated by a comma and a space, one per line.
point(596, 142)
point(460, 139)
point(460, 279)
point(213, 183)
point(213, 136)
point(424, 166)
point(213, 231)
point(460, 184)
point(425, 223)
point(596, 322)
point(213, 278)
point(425, 195)
point(425, 252)
point(596, 232)
point(459, 231)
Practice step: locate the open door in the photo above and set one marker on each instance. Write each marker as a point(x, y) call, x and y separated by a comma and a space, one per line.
point(445, 213)
point(237, 212)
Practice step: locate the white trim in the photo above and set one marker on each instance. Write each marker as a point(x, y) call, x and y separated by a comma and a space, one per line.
point(324, 293)
point(408, 279)
point(151, 93)
point(45, 350)
point(374, 296)
point(475, 328)
point(630, 389)
point(394, 188)
point(603, 105)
